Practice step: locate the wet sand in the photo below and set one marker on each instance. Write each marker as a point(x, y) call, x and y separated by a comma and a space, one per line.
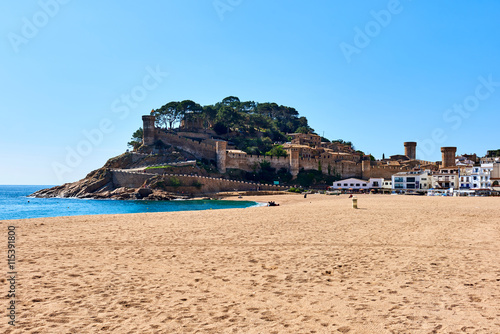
point(399, 264)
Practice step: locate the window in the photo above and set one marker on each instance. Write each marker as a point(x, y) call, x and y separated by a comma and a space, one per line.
point(339, 184)
point(375, 184)
point(357, 184)
point(410, 179)
point(398, 179)
point(398, 186)
point(345, 184)
point(424, 179)
point(410, 186)
point(352, 184)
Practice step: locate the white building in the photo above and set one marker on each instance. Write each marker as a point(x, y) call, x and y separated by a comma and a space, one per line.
point(357, 184)
point(413, 180)
point(476, 177)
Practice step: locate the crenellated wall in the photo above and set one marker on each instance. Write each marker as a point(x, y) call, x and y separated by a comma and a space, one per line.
point(193, 184)
point(209, 185)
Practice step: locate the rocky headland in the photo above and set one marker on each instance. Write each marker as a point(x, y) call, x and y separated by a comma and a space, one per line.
point(101, 184)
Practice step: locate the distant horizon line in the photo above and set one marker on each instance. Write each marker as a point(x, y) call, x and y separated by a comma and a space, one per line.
point(37, 185)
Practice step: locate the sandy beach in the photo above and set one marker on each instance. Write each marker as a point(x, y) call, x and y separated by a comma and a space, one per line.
point(398, 264)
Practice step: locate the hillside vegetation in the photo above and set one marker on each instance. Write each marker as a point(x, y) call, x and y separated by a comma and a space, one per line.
point(256, 128)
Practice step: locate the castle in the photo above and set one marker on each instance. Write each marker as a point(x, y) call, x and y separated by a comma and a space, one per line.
point(305, 151)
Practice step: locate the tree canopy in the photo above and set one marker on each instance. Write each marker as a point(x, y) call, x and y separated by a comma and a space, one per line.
point(136, 139)
point(246, 116)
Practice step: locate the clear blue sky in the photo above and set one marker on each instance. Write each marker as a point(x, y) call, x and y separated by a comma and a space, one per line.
point(376, 73)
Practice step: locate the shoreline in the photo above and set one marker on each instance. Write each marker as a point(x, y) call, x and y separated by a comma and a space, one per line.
point(264, 198)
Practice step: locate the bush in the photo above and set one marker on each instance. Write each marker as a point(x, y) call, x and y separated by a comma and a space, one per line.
point(158, 167)
point(277, 151)
point(197, 184)
point(174, 182)
point(295, 190)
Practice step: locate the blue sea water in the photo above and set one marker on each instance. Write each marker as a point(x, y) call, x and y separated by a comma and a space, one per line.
point(14, 204)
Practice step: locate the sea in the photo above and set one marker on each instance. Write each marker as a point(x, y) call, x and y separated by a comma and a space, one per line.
point(15, 204)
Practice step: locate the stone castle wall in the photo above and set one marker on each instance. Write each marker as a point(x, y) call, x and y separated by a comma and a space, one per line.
point(345, 168)
point(216, 151)
point(126, 179)
point(248, 162)
point(215, 185)
point(199, 150)
point(385, 172)
point(206, 185)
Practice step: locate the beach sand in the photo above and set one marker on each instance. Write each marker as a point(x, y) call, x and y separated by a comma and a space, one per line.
point(398, 264)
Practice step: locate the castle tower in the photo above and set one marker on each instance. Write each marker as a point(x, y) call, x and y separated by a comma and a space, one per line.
point(448, 158)
point(411, 149)
point(148, 126)
point(366, 169)
point(294, 162)
point(221, 152)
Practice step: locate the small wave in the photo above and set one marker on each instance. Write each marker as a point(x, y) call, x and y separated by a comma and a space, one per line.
point(258, 205)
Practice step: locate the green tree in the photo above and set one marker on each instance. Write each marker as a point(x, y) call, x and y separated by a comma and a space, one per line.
point(209, 114)
point(284, 175)
point(136, 140)
point(231, 101)
point(167, 115)
point(266, 172)
point(277, 151)
point(303, 129)
point(229, 117)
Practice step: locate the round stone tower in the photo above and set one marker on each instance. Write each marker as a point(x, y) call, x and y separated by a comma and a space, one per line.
point(221, 151)
point(294, 162)
point(448, 156)
point(148, 126)
point(366, 169)
point(411, 149)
